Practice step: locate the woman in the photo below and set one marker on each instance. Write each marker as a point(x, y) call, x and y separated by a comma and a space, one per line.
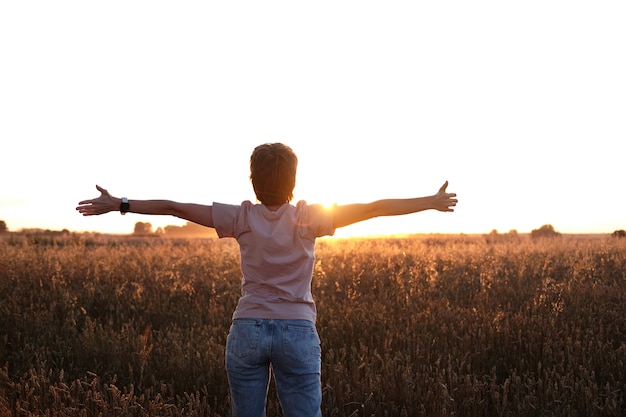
point(273, 324)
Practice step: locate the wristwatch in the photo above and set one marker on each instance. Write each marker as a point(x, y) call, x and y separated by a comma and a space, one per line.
point(124, 206)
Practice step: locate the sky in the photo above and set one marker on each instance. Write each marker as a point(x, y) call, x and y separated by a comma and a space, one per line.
point(521, 106)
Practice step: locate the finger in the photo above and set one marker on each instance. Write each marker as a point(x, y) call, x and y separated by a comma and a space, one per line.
point(443, 187)
point(102, 190)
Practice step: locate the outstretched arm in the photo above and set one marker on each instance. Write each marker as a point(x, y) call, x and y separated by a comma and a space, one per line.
point(196, 213)
point(352, 213)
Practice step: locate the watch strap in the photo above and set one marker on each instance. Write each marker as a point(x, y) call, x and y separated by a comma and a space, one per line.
point(124, 206)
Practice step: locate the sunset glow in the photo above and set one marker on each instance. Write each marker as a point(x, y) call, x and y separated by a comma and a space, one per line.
point(519, 106)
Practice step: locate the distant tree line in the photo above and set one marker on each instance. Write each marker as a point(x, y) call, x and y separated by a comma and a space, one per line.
point(195, 230)
point(141, 229)
point(188, 230)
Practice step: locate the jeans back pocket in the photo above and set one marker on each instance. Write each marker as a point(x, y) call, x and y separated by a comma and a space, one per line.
point(243, 337)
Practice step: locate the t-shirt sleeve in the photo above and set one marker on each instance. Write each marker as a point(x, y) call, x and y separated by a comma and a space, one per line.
point(318, 219)
point(225, 219)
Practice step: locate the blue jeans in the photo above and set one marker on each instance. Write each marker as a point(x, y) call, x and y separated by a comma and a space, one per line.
point(292, 348)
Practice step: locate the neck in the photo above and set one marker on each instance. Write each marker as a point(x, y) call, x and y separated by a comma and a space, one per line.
point(274, 207)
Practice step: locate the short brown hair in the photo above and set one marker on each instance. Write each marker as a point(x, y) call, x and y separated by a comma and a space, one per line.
point(273, 173)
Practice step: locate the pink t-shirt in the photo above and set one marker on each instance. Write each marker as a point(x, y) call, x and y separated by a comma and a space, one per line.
point(277, 256)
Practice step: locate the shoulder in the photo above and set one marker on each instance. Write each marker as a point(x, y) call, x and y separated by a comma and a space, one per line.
point(302, 205)
point(233, 207)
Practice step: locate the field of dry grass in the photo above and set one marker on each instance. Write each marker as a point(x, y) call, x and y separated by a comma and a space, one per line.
point(419, 326)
